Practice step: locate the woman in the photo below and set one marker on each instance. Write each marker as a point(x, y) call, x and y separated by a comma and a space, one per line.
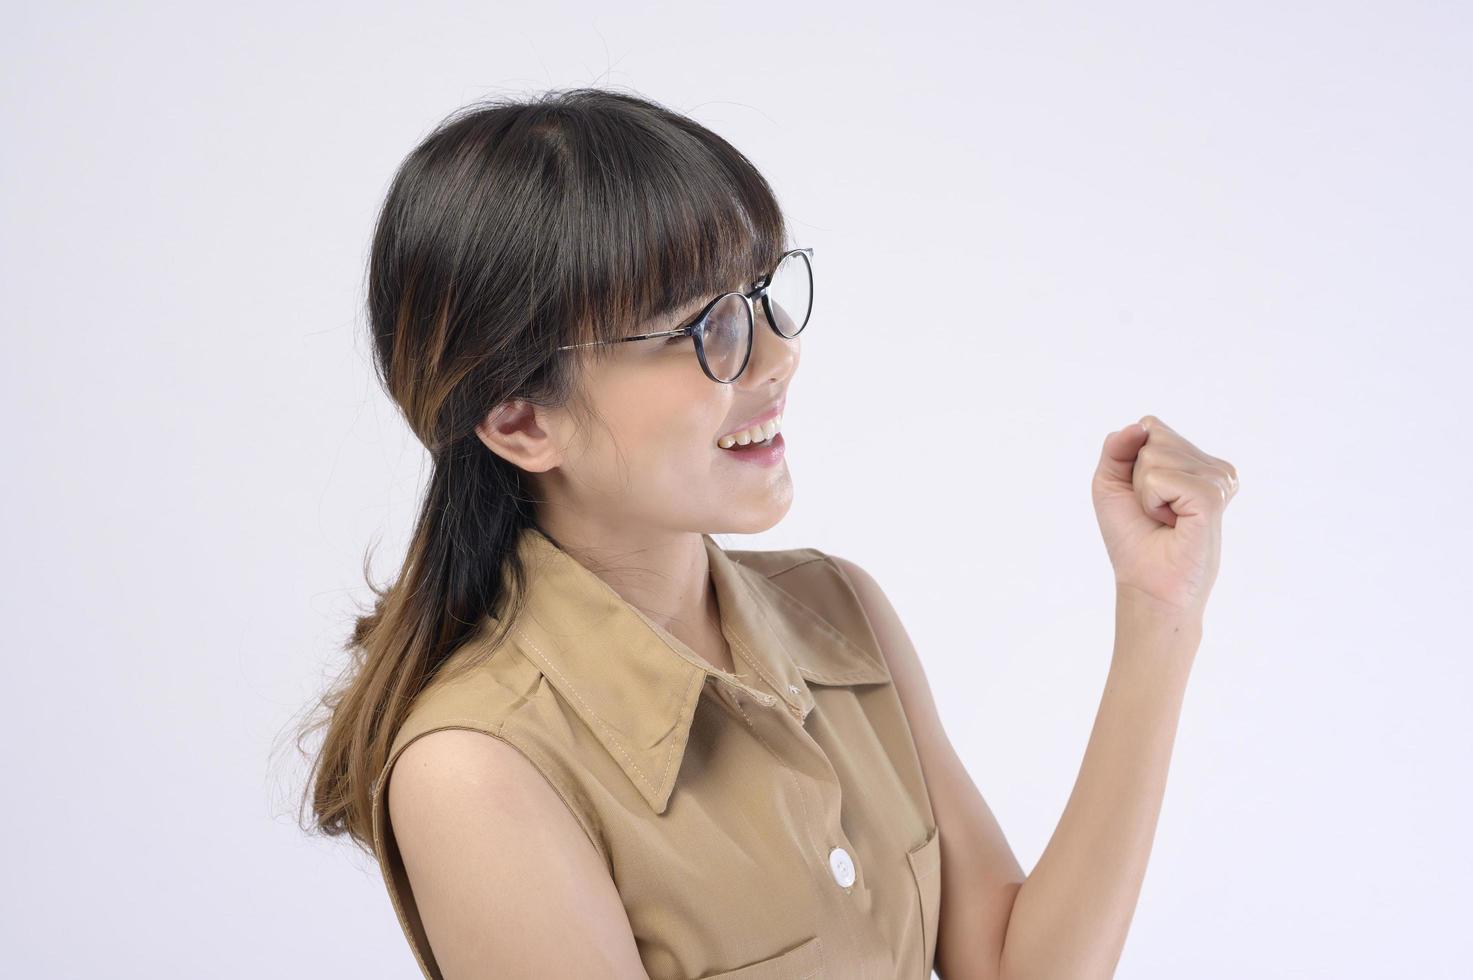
point(617, 749)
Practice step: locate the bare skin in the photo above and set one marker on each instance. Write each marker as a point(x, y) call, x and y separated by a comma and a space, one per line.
point(636, 521)
point(1159, 502)
point(630, 498)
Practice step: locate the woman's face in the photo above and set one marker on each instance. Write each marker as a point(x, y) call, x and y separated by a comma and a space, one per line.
point(649, 463)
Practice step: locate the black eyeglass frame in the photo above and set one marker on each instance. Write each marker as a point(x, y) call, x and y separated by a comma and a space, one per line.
point(758, 291)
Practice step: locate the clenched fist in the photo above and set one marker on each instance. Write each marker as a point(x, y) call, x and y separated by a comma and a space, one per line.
point(1159, 502)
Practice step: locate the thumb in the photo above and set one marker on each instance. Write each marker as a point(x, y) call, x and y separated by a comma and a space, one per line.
point(1117, 456)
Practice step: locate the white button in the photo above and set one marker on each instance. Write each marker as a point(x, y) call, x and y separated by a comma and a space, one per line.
point(841, 866)
point(792, 688)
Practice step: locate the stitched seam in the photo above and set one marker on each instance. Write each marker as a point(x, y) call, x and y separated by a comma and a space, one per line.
point(543, 764)
point(380, 849)
point(805, 561)
point(817, 967)
point(750, 658)
point(860, 676)
point(921, 904)
point(921, 877)
point(817, 556)
point(744, 651)
point(807, 823)
point(547, 768)
point(826, 627)
point(696, 681)
point(823, 624)
point(595, 715)
point(797, 708)
point(378, 838)
point(379, 800)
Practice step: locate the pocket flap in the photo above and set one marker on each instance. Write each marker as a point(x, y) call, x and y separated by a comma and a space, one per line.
point(925, 866)
point(925, 857)
point(802, 962)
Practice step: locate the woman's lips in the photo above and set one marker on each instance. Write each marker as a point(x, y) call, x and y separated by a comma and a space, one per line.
point(772, 412)
point(764, 453)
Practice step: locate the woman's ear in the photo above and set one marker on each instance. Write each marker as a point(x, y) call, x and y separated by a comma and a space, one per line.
point(522, 434)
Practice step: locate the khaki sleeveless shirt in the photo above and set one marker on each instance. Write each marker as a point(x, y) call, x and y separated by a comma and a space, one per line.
point(762, 825)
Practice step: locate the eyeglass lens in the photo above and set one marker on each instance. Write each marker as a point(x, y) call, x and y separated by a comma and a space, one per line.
point(788, 301)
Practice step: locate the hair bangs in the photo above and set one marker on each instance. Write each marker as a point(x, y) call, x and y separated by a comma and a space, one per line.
point(669, 215)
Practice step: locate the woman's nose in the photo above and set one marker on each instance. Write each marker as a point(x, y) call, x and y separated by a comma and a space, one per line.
point(773, 356)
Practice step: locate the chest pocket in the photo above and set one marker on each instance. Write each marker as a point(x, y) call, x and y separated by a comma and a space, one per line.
point(925, 866)
point(802, 962)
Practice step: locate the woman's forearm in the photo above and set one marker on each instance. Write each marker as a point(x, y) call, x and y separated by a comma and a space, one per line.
point(1071, 915)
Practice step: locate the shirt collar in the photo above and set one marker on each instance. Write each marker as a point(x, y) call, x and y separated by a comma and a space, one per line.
point(636, 686)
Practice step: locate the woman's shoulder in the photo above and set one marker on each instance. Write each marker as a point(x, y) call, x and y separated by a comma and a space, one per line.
point(491, 688)
point(774, 560)
point(813, 598)
point(480, 685)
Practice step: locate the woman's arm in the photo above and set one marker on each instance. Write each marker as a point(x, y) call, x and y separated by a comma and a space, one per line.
point(980, 875)
point(1068, 918)
point(505, 881)
point(1159, 501)
point(1071, 916)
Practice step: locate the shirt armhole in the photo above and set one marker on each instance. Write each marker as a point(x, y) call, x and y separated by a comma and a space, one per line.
point(386, 848)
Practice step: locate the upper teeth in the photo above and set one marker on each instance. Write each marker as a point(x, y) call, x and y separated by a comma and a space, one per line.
point(756, 433)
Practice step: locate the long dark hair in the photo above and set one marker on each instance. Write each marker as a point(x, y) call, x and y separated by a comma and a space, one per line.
point(514, 227)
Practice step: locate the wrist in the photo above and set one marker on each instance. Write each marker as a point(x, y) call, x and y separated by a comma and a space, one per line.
point(1154, 635)
point(1138, 604)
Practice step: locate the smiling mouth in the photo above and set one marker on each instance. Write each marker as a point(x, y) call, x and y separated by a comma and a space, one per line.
point(759, 428)
point(755, 435)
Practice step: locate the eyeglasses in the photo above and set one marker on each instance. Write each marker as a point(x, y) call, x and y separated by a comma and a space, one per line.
point(724, 328)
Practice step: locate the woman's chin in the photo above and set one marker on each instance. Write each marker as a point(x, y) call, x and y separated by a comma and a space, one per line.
point(747, 516)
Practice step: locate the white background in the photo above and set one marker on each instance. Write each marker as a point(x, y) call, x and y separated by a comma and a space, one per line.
point(1032, 225)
